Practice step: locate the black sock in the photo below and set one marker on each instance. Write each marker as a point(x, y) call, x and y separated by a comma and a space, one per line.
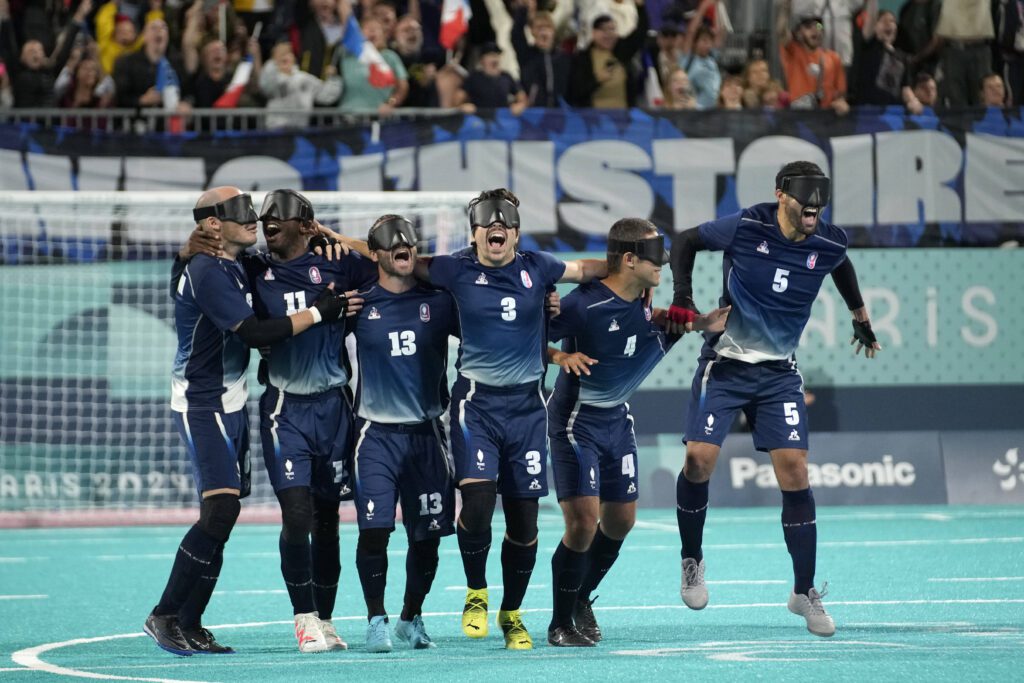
point(691, 511)
point(296, 568)
point(326, 571)
point(801, 532)
point(517, 562)
point(373, 575)
point(420, 568)
point(195, 555)
point(190, 616)
point(600, 557)
point(474, 549)
point(567, 567)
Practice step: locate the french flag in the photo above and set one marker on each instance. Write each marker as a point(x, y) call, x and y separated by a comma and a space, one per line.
point(455, 16)
point(233, 93)
point(381, 75)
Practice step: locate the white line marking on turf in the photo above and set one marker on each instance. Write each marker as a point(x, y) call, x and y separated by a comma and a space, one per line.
point(749, 582)
point(24, 597)
point(976, 579)
point(271, 591)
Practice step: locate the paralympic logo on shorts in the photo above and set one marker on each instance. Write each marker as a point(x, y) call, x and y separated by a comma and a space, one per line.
point(314, 275)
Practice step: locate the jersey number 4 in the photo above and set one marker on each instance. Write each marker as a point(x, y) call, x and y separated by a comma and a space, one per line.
point(402, 343)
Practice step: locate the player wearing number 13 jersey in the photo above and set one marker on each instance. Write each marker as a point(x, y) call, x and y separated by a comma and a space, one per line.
point(497, 415)
point(776, 257)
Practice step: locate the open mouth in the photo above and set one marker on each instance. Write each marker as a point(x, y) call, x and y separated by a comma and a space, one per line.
point(401, 255)
point(809, 216)
point(271, 230)
point(496, 238)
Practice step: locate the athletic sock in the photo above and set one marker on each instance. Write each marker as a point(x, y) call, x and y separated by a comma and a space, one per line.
point(474, 549)
point(373, 576)
point(801, 532)
point(600, 557)
point(567, 568)
point(691, 511)
point(190, 616)
point(296, 568)
point(195, 555)
point(326, 555)
point(420, 568)
point(517, 562)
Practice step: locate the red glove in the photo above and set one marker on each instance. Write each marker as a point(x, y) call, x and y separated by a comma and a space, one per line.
point(680, 315)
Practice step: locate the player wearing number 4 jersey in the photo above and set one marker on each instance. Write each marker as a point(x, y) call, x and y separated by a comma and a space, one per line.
point(612, 340)
point(776, 257)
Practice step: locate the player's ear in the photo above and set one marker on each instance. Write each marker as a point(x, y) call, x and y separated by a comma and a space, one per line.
point(373, 256)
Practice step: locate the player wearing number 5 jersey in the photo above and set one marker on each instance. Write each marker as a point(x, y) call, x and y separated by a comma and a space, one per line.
point(401, 349)
point(497, 416)
point(776, 257)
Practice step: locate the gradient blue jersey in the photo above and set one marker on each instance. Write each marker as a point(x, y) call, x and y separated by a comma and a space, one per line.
point(619, 334)
point(211, 297)
point(401, 343)
point(308, 363)
point(501, 314)
point(770, 281)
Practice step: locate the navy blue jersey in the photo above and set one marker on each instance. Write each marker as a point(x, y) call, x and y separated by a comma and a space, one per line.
point(401, 346)
point(211, 298)
point(501, 314)
point(619, 334)
point(307, 363)
point(770, 281)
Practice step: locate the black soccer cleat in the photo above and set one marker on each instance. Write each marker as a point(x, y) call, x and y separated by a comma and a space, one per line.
point(202, 642)
point(568, 636)
point(167, 634)
point(586, 623)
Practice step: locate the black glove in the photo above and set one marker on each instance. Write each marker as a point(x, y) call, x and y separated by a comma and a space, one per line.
point(863, 334)
point(320, 240)
point(332, 305)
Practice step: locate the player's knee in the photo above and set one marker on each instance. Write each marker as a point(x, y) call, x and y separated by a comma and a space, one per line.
point(580, 527)
point(700, 463)
point(218, 514)
point(619, 525)
point(521, 519)
point(296, 514)
point(478, 500)
point(373, 541)
point(325, 520)
point(426, 550)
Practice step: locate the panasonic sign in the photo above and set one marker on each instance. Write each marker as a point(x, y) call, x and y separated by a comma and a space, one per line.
point(886, 472)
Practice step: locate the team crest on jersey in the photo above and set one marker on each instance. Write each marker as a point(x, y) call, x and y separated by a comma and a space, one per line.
point(614, 327)
point(647, 314)
point(314, 275)
point(762, 248)
point(812, 260)
point(425, 312)
point(525, 277)
point(269, 275)
point(481, 279)
point(374, 314)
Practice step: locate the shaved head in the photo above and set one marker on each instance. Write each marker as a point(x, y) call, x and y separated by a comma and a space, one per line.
point(215, 195)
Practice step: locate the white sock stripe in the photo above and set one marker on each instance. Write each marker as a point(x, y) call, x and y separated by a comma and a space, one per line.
point(700, 509)
point(795, 524)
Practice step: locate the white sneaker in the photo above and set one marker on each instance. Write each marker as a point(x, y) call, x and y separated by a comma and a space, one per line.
point(309, 634)
point(693, 589)
point(334, 641)
point(810, 608)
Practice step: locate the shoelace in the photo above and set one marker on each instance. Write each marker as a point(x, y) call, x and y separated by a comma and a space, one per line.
point(418, 630)
point(516, 624)
point(815, 598)
point(692, 570)
point(475, 603)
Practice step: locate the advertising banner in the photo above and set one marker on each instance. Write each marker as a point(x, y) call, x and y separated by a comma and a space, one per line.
point(984, 467)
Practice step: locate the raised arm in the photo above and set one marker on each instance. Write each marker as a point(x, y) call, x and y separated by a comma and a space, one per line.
point(585, 270)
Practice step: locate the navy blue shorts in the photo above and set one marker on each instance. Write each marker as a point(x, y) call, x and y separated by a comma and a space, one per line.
point(307, 441)
point(593, 452)
point(407, 464)
point(218, 446)
point(769, 393)
point(500, 434)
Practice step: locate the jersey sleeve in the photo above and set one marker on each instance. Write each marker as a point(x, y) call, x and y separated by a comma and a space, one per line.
point(551, 268)
point(355, 271)
point(571, 319)
point(443, 270)
point(719, 233)
point(221, 299)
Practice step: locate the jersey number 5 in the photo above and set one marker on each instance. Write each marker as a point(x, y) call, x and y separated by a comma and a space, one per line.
point(402, 343)
point(781, 281)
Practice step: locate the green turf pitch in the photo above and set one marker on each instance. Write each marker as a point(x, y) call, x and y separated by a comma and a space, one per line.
point(918, 593)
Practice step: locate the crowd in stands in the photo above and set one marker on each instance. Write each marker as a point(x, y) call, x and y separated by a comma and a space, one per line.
point(292, 56)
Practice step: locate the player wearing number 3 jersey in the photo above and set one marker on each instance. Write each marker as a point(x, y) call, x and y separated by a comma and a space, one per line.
point(776, 257)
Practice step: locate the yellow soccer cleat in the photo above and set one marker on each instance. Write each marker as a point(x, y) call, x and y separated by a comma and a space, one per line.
point(516, 635)
point(474, 614)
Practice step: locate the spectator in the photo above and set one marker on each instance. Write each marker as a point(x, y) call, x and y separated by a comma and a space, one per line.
point(774, 96)
point(699, 56)
point(421, 64)
point(360, 94)
point(491, 88)
point(450, 78)
point(730, 95)
point(33, 76)
point(993, 91)
point(6, 93)
point(664, 54)
point(1010, 40)
point(604, 75)
point(287, 87)
point(213, 77)
point(148, 78)
point(384, 12)
point(815, 76)
point(881, 74)
point(83, 85)
point(679, 93)
point(964, 35)
point(117, 32)
point(543, 68)
point(319, 37)
point(925, 89)
point(756, 77)
point(836, 17)
point(917, 22)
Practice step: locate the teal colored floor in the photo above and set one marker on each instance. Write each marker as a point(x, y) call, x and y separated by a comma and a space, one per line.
point(918, 594)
